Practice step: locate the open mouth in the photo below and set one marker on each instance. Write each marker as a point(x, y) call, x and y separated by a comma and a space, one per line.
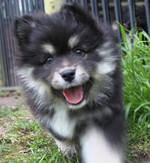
point(73, 95)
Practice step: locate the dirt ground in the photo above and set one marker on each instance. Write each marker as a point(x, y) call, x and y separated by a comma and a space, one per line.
point(11, 99)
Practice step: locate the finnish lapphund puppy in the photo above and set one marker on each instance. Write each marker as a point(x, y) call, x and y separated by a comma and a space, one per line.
point(68, 64)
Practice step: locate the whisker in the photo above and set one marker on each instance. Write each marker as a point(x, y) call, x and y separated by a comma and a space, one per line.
point(91, 82)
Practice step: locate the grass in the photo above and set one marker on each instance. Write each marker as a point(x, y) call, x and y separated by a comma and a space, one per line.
point(136, 73)
point(22, 140)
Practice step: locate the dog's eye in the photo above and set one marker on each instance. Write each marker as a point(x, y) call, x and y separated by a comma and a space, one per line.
point(79, 52)
point(49, 60)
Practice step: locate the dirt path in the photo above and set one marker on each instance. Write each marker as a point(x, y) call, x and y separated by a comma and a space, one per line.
point(11, 99)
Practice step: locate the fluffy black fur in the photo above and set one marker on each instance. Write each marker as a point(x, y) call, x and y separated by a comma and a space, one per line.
point(48, 45)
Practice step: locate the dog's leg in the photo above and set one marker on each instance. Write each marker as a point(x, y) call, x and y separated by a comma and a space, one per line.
point(68, 148)
point(96, 148)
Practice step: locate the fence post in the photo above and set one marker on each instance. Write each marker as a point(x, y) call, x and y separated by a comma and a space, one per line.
point(105, 8)
point(51, 6)
point(118, 13)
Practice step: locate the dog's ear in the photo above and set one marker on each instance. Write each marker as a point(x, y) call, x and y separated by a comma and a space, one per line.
point(22, 28)
point(80, 13)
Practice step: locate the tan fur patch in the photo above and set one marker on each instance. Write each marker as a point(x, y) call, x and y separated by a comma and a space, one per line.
point(73, 41)
point(49, 48)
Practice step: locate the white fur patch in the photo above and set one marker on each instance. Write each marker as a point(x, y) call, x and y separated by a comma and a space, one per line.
point(58, 82)
point(73, 41)
point(49, 48)
point(107, 65)
point(104, 68)
point(67, 148)
point(96, 149)
point(25, 74)
point(81, 75)
point(104, 52)
point(61, 123)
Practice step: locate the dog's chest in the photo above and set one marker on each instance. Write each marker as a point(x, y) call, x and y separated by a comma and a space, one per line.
point(62, 124)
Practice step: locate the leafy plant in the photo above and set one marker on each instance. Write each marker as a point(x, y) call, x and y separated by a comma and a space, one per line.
point(136, 72)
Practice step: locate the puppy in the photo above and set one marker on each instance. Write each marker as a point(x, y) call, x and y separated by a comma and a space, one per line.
point(68, 64)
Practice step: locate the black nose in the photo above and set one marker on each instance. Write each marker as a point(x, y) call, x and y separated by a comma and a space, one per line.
point(68, 75)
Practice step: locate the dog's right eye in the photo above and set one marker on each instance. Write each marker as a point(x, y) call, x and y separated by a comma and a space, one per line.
point(79, 52)
point(49, 60)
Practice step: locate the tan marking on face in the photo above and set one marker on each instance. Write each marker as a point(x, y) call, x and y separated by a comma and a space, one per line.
point(49, 48)
point(73, 41)
point(65, 63)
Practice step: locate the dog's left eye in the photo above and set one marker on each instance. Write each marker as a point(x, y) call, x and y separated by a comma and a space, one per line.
point(79, 52)
point(49, 60)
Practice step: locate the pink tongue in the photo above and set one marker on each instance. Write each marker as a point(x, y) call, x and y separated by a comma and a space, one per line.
point(73, 95)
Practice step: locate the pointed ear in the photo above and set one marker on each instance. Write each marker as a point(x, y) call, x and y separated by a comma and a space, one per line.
point(22, 28)
point(80, 13)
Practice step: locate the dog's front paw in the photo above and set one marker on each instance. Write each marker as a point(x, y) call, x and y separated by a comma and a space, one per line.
point(67, 148)
point(70, 152)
